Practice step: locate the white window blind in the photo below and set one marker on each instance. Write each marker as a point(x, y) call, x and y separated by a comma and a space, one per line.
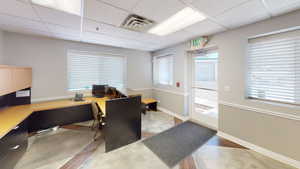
point(274, 69)
point(163, 70)
point(86, 69)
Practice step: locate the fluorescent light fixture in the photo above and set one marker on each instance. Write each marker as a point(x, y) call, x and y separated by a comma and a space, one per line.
point(180, 20)
point(69, 6)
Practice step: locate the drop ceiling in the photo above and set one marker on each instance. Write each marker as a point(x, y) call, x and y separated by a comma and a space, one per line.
point(101, 20)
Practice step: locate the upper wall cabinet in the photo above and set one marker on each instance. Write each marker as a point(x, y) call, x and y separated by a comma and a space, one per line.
point(5, 80)
point(22, 78)
point(14, 78)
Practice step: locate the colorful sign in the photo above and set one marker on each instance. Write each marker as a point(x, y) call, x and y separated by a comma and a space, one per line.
point(199, 43)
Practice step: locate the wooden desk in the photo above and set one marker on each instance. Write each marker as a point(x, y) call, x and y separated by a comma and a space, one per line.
point(151, 103)
point(122, 117)
point(10, 117)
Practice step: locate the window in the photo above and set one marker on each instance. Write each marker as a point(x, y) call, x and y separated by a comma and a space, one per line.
point(274, 68)
point(86, 69)
point(163, 70)
point(206, 70)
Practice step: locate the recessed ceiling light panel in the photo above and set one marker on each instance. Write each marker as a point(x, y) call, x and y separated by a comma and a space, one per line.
point(180, 20)
point(69, 6)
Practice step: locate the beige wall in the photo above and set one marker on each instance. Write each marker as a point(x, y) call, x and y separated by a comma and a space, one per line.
point(232, 47)
point(277, 134)
point(173, 98)
point(1, 48)
point(174, 102)
point(48, 58)
point(274, 133)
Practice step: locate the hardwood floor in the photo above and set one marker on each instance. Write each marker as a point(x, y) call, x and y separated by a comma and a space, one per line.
point(219, 141)
point(76, 127)
point(82, 156)
point(188, 163)
point(147, 134)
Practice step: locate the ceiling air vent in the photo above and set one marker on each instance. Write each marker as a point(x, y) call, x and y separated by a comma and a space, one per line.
point(137, 23)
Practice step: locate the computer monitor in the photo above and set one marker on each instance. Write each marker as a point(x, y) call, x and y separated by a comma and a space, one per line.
point(99, 90)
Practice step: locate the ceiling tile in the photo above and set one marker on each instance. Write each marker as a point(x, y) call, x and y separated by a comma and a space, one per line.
point(124, 4)
point(57, 30)
point(24, 1)
point(205, 27)
point(66, 36)
point(278, 7)
point(215, 7)
point(244, 14)
point(90, 26)
point(20, 23)
point(102, 12)
point(58, 17)
point(97, 38)
point(158, 10)
point(30, 31)
point(175, 38)
point(17, 8)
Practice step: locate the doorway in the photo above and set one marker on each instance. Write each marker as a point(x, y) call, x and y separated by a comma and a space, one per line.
point(204, 88)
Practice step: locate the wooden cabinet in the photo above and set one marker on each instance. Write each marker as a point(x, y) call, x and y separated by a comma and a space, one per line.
point(13, 146)
point(22, 78)
point(14, 78)
point(6, 82)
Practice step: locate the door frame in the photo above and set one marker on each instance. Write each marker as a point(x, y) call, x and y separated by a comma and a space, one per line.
point(206, 121)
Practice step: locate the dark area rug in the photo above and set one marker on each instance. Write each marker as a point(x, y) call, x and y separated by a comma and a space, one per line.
point(173, 145)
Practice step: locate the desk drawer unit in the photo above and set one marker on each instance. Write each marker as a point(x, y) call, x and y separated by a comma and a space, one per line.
point(13, 146)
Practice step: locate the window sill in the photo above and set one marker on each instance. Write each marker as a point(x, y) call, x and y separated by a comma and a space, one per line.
point(273, 103)
point(163, 85)
point(80, 91)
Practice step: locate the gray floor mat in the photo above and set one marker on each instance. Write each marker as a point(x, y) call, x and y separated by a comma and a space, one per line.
point(173, 145)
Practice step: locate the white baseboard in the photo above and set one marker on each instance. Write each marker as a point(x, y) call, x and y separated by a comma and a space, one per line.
point(204, 123)
point(139, 89)
point(171, 91)
point(172, 113)
point(266, 152)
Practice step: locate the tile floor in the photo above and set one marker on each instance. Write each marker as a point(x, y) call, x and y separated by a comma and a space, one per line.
point(72, 147)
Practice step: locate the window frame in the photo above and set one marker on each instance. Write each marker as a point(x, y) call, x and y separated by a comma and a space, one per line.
point(247, 75)
point(155, 74)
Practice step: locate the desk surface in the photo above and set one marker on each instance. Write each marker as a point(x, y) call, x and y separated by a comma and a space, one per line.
point(10, 117)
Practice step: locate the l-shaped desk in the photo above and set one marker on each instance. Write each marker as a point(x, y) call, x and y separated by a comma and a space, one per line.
point(122, 118)
point(12, 116)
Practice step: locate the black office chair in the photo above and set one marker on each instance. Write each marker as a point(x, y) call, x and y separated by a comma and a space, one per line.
point(98, 121)
point(144, 108)
point(99, 90)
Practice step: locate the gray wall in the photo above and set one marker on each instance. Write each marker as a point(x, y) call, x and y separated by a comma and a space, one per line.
point(174, 98)
point(274, 133)
point(232, 47)
point(48, 58)
point(1, 48)
point(280, 135)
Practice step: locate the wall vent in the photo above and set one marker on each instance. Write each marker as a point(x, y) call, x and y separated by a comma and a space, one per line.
point(137, 23)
